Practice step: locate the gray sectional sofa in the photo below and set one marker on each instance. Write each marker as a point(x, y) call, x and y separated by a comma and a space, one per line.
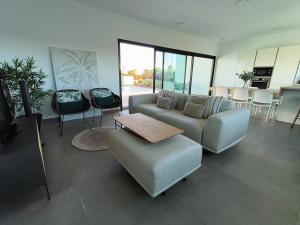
point(216, 134)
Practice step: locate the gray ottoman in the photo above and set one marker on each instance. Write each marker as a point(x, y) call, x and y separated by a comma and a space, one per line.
point(156, 167)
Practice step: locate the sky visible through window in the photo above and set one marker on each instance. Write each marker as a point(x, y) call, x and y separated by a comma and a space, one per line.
point(134, 57)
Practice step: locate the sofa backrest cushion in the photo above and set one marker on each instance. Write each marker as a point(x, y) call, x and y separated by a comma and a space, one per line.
point(181, 98)
point(169, 94)
point(227, 105)
point(164, 102)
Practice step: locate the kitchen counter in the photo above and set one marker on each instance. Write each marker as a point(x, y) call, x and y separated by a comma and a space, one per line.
point(290, 103)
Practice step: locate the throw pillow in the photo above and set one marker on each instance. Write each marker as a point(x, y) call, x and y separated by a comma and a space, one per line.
point(68, 96)
point(194, 110)
point(199, 99)
point(101, 93)
point(164, 103)
point(214, 106)
point(169, 94)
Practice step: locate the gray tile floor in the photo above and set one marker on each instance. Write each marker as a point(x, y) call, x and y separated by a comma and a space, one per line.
point(256, 182)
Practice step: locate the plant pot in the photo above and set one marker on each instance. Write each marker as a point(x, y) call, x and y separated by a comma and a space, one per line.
point(245, 84)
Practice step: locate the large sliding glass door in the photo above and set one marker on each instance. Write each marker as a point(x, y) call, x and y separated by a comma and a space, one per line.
point(136, 67)
point(158, 73)
point(174, 72)
point(201, 75)
point(148, 69)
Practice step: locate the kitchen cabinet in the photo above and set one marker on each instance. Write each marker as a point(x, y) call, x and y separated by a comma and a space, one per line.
point(286, 66)
point(245, 63)
point(265, 57)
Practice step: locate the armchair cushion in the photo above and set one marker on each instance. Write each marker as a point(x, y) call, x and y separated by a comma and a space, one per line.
point(102, 98)
point(68, 96)
point(101, 93)
point(71, 102)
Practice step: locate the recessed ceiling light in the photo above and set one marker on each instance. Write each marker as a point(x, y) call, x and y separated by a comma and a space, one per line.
point(179, 23)
point(241, 2)
point(222, 38)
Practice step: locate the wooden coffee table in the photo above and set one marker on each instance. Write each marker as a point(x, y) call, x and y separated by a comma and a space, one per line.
point(148, 128)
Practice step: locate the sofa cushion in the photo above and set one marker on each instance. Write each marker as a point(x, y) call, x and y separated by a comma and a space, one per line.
point(169, 94)
point(194, 110)
point(199, 99)
point(181, 98)
point(164, 102)
point(149, 110)
point(192, 127)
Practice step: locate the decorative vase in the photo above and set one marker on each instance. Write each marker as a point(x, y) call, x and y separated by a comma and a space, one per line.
point(245, 84)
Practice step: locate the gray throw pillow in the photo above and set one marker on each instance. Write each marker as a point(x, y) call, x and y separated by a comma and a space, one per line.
point(194, 110)
point(169, 94)
point(199, 99)
point(164, 103)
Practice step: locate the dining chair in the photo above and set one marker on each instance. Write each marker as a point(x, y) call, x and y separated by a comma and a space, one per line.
point(262, 98)
point(240, 96)
point(297, 117)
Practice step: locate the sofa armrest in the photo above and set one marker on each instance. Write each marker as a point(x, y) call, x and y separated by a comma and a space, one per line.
point(225, 129)
point(141, 99)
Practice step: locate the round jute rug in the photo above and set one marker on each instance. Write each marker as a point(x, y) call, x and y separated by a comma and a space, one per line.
point(92, 140)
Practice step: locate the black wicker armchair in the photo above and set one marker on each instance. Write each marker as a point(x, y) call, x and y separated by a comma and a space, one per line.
point(73, 105)
point(105, 100)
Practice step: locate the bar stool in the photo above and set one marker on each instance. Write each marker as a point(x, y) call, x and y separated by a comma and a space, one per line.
point(240, 96)
point(296, 118)
point(262, 98)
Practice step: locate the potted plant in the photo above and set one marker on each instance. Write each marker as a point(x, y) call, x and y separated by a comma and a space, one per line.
point(245, 76)
point(26, 70)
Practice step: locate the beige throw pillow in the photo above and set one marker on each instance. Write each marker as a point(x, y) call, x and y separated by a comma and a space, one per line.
point(164, 103)
point(194, 110)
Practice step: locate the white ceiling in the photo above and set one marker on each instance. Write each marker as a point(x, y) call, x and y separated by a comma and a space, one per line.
point(217, 19)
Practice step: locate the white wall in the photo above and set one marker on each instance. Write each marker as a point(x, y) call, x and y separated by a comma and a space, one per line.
point(228, 52)
point(29, 27)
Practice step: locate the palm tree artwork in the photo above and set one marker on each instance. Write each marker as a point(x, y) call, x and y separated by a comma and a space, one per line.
point(74, 69)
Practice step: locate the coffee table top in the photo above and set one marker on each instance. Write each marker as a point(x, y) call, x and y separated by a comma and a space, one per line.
point(148, 128)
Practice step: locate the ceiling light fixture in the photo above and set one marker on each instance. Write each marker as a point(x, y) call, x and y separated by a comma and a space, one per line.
point(179, 23)
point(241, 2)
